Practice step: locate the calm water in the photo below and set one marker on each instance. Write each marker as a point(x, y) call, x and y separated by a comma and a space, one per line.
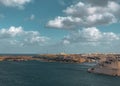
point(34, 73)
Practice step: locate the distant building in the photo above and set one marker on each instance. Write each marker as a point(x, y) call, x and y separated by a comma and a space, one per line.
point(62, 53)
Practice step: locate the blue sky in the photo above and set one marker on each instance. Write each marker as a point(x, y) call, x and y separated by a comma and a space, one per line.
point(70, 26)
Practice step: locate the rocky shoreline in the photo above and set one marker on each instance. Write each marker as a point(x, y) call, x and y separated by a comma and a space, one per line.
point(67, 58)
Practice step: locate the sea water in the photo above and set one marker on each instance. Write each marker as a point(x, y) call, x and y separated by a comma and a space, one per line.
point(35, 73)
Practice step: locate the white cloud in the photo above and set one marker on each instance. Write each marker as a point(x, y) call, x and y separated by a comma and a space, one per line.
point(64, 22)
point(16, 39)
point(15, 3)
point(66, 42)
point(87, 15)
point(87, 40)
point(11, 32)
point(32, 17)
point(90, 36)
point(18, 36)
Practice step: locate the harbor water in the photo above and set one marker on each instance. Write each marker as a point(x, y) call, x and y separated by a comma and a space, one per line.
point(35, 73)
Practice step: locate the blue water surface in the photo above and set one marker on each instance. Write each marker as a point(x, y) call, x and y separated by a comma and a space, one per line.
point(35, 73)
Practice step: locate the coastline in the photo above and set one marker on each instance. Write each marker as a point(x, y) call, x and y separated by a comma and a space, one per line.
point(64, 58)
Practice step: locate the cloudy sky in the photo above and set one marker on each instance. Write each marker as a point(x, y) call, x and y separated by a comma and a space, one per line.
point(54, 26)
